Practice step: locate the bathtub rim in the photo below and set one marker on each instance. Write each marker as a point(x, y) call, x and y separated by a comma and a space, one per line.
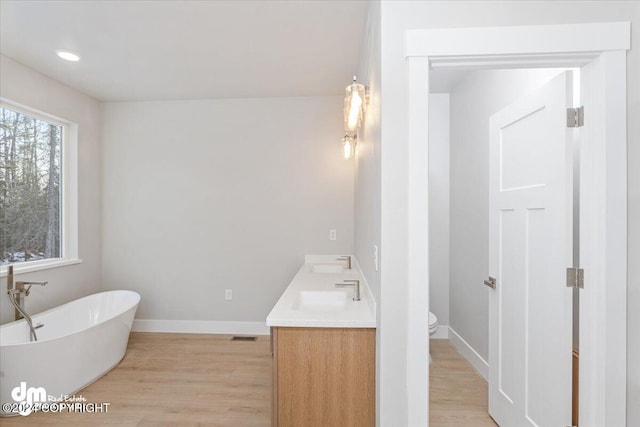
point(58, 307)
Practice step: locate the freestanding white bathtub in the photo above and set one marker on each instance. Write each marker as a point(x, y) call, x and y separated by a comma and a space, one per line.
point(79, 342)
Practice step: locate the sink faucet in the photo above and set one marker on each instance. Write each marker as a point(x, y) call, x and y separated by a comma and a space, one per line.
point(356, 286)
point(346, 258)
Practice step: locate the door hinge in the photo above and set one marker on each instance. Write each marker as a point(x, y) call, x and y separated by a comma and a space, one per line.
point(575, 278)
point(575, 117)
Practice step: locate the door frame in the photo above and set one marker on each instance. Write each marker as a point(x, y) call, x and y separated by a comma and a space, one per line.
point(601, 49)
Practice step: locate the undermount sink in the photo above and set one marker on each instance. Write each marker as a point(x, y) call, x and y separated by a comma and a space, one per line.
point(327, 268)
point(321, 300)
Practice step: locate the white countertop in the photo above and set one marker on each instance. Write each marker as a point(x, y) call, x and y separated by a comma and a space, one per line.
point(313, 300)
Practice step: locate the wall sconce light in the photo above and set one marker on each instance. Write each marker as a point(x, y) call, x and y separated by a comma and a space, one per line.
point(354, 103)
point(348, 145)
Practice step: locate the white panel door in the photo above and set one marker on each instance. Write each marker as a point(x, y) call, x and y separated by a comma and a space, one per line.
point(530, 231)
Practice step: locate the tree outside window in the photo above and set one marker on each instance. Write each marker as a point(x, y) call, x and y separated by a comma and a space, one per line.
point(30, 187)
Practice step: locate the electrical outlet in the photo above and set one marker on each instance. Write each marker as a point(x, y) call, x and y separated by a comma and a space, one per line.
point(332, 235)
point(228, 294)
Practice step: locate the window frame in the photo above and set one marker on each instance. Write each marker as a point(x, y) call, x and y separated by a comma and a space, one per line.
point(68, 189)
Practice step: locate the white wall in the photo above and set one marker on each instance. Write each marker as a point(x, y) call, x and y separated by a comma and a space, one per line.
point(24, 86)
point(203, 196)
point(439, 207)
point(473, 102)
point(397, 17)
point(367, 159)
point(367, 202)
point(633, 254)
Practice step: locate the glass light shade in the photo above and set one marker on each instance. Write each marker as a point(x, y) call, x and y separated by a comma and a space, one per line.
point(348, 146)
point(354, 106)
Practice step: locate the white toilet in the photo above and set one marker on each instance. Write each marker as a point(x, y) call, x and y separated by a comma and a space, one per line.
point(433, 327)
point(433, 324)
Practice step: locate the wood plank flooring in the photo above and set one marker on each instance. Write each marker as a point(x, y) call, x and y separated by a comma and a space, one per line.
point(457, 393)
point(178, 380)
point(207, 380)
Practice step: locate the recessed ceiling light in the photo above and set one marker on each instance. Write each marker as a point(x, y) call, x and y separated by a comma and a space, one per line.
point(67, 55)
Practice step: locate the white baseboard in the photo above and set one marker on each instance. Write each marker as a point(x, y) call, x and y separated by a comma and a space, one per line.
point(442, 333)
point(200, 327)
point(469, 353)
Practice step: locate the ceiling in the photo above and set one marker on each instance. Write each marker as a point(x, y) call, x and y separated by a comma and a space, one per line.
point(151, 50)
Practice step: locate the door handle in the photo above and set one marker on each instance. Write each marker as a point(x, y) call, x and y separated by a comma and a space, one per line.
point(490, 282)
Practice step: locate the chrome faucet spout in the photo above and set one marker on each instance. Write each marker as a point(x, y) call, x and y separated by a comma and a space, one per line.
point(356, 287)
point(27, 290)
point(346, 258)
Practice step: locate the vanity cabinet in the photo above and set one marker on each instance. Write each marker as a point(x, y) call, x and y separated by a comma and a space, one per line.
point(323, 377)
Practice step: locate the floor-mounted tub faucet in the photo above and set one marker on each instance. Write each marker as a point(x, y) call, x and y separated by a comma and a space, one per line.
point(346, 258)
point(20, 293)
point(9, 277)
point(17, 293)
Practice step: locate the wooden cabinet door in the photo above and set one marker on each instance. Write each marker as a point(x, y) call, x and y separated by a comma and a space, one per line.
point(324, 377)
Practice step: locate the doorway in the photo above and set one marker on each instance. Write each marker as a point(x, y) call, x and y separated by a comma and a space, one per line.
point(599, 50)
point(471, 100)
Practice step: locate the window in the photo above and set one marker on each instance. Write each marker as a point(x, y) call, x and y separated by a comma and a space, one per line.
point(33, 206)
